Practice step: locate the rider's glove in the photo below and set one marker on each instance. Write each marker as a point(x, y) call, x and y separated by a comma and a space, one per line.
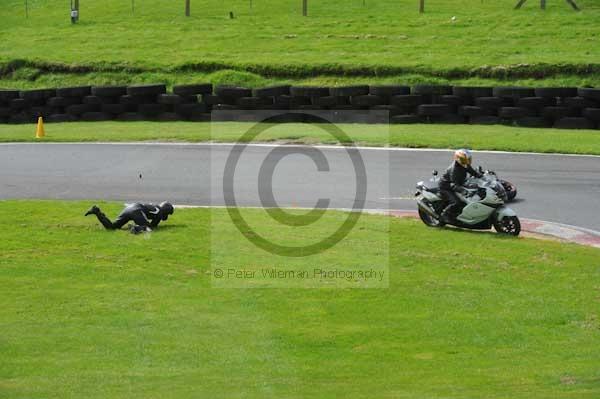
point(136, 229)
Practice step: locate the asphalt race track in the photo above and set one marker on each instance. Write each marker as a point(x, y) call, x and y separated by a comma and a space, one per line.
point(557, 188)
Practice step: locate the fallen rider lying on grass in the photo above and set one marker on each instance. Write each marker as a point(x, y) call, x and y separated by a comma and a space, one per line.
point(144, 216)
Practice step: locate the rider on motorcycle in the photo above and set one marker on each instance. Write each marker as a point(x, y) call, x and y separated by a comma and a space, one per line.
point(452, 180)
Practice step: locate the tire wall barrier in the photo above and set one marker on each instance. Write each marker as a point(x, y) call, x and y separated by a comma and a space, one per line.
point(564, 107)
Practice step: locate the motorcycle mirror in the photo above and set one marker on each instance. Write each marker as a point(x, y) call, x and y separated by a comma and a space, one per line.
point(435, 172)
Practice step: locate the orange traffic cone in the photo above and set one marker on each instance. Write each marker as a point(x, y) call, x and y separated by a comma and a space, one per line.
point(39, 132)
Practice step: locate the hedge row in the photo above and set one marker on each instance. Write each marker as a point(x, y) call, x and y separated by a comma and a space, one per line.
point(576, 108)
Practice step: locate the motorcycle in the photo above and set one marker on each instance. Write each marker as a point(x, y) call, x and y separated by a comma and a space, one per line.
point(484, 205)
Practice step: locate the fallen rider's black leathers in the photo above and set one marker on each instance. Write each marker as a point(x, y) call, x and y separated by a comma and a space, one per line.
point(146, 215)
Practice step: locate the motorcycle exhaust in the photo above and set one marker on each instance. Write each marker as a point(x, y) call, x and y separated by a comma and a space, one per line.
point(427, 209)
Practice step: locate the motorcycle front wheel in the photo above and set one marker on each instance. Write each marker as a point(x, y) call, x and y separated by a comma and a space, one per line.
point(430, 220)
point(509, 225)
point(511, 189)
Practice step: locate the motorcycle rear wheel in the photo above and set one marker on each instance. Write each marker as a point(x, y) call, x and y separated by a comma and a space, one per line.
point(509, 225)
point(430, 220)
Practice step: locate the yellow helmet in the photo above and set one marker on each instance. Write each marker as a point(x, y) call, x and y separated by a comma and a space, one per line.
point(463, 157)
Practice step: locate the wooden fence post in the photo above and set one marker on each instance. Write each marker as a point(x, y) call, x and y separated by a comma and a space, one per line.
point(572, 3)
point(519, 4)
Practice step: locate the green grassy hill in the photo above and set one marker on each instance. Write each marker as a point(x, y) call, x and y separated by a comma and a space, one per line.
point(86, 313)
point(340, 41)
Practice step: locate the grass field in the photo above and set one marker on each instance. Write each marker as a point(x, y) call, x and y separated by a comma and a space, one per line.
point(96, 314)
point(90, 313)
point(419, 136)
point(339, 42)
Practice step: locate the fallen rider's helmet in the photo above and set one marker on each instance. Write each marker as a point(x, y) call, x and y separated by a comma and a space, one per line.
point(167, 209)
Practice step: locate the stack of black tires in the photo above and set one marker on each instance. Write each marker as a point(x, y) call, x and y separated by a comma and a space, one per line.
point(103, 103)
point(569, 108)
point(564, 107)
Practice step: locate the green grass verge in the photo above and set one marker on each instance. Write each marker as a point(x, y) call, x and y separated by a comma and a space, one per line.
point(89, 313)
point(373, 39)
point(502, 138)
point(31, 78)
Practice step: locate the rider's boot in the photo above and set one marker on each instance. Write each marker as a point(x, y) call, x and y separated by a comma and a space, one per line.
point(448, 215)
point(94, 210)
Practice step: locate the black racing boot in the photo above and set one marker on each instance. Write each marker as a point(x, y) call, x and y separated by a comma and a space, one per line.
point(92, 211)
point(448, 216)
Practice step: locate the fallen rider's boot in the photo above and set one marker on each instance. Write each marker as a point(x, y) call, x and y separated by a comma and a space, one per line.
point(93, 211)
